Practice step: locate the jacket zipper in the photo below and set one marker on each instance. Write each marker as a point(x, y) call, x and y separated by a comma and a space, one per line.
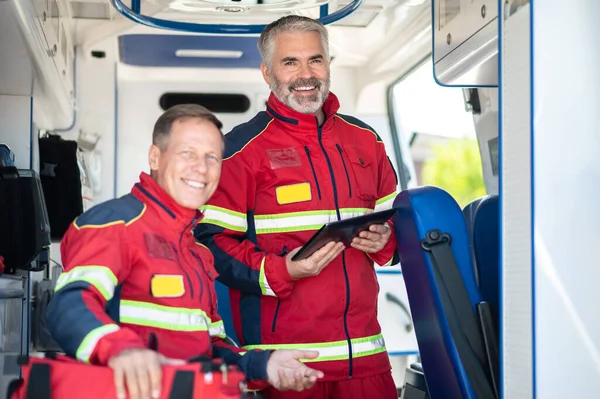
point(183, 270)
point(345, 169)
point(313, 171)
point(337, 210)
point(285, 252)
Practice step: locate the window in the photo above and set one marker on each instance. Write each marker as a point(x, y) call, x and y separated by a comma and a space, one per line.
point(439, 134)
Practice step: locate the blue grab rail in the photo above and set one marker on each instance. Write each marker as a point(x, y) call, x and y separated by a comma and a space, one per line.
point(134, 14)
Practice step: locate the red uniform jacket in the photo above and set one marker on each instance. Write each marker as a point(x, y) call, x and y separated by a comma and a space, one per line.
point(284, 177)
point(135, 277)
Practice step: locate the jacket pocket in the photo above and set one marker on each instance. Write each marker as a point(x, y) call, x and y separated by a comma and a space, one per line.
point(365, 173)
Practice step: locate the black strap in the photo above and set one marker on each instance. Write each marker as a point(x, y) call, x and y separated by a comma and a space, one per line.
point(490, 338)
point(13, 385)
point(153, 342)
point(459, 312)
point(38, 386)
point(182, 386)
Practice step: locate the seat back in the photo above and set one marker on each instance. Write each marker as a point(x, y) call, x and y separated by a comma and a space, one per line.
point(224, 309)
point(422, 210)
point(483, 220)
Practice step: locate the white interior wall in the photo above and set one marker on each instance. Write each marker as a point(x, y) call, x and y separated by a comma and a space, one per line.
point(138, 109)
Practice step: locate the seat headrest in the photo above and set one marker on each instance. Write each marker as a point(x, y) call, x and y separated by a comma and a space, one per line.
point(420, 210)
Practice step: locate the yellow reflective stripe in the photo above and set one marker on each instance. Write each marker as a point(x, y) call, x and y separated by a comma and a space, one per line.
point(385, 203)
point(217, 329)
point(337, 350)
point(301, 221)
point(225, 218)
point(87, 346)
point(166, 317)
point(388, 263)
point(265, 288)
point(101, 277)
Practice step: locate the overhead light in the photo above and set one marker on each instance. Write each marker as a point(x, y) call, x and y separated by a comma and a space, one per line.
point(90, 10)
point(209, 53)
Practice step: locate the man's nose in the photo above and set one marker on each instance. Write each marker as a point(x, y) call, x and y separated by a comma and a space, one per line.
point(305, 72)
point(200, 165)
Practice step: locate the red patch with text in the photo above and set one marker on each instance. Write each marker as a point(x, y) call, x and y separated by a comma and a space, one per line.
point(284, 158)
point(158, 247)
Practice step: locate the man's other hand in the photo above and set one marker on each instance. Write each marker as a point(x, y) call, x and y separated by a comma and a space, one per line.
point(286, 372)
point(374, 240)
point(313, 265)
point(140, 371)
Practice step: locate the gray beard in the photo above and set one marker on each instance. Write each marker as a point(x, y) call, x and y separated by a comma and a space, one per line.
point(302, 104)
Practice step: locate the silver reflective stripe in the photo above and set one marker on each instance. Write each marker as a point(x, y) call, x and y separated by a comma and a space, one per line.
point(217, 329)
point(87, 346)
point(301, 221)
point(334, 350)
point(166, 317)
point(225, 218)
point(265, 288)
point(101, 277)
point(385, 203)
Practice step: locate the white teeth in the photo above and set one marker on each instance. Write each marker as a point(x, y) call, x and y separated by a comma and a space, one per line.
point(304, 88)
point(194, 184)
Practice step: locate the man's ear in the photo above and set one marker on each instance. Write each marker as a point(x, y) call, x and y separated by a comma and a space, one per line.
point(153, 157)
point(265, 73)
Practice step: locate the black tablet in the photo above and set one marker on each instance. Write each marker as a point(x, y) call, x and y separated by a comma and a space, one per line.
point(342, 231)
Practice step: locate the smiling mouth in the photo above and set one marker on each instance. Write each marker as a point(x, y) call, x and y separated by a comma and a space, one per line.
point(304, 88)
point(194, 184)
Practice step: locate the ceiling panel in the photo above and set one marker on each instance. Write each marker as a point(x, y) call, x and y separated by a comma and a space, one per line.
point(148, 50)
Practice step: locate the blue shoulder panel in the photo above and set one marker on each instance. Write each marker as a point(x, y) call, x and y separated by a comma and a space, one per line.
point(357, 122)
point(124, 210)
point(242, 134)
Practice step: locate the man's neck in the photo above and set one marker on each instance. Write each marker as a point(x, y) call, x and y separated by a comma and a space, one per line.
point(320, 116)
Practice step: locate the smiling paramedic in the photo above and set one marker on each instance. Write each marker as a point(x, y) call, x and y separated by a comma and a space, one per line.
point(287, 172)
point(135, 278)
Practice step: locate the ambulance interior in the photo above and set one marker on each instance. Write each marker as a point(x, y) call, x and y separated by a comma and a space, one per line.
point(98, 73)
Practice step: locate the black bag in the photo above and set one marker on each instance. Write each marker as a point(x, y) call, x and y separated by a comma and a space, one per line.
point(61, 181)
point(24, 227)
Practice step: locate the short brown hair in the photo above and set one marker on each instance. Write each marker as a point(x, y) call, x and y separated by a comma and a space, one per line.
point(162, 127)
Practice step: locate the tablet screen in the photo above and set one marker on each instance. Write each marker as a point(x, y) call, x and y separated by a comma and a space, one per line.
point(342, 231)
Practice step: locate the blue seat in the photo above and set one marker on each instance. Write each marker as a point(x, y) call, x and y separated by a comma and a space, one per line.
point(451, 347)
point(224, 309)
point(483, 220)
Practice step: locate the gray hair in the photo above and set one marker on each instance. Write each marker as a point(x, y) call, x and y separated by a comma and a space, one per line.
point(290, 23)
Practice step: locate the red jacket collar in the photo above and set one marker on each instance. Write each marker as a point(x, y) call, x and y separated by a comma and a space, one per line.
point(151, 194)
point(298, 122)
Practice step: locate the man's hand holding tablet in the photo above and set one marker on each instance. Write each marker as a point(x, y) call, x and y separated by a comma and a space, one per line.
point(316, 262)
point(374, 239)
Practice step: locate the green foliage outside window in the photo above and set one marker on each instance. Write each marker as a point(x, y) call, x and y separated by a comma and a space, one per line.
point(456, 167)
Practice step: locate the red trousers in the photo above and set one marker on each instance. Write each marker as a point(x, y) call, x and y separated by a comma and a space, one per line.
point(380, 386)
